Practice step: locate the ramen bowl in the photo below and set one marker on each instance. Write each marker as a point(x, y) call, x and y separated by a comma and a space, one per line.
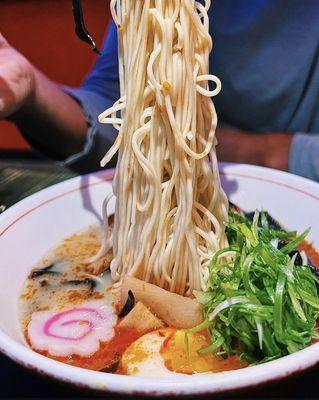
point(36, 224)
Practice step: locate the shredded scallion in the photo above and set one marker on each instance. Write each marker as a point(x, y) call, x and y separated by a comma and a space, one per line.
point(258, 304)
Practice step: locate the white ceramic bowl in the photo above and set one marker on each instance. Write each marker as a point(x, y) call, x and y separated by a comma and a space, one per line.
point(34, 225)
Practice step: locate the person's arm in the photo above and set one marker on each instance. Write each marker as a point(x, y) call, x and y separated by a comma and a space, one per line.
point(297, 153)
point(266, 149)
point(98, 92)
point(62, 122)
point(50, 119)
point(304, 155)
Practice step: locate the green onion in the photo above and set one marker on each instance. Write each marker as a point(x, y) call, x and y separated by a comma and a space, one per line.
point(294, 243)
point(259, 306)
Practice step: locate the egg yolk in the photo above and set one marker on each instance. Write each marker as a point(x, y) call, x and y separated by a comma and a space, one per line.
point(178, 358)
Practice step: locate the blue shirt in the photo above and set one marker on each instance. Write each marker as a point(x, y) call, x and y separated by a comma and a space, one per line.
point(266, 53)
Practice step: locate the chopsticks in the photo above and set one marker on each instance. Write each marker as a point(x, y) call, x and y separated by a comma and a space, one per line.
point(80, 28)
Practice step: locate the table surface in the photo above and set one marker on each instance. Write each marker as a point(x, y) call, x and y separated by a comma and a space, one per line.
point(19, 179)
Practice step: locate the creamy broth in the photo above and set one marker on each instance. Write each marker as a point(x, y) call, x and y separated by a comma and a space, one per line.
point(61, 278)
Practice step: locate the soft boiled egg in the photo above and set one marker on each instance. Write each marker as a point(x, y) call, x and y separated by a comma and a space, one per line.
point(167, 352)
point(143, 357)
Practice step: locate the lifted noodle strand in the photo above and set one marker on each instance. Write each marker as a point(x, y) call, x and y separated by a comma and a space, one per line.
point(170, 207)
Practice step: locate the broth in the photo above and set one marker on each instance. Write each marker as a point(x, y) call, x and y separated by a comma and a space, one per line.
point(61, 279)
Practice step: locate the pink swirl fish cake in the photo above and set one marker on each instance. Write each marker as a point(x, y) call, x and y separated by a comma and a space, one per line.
point(77, 330)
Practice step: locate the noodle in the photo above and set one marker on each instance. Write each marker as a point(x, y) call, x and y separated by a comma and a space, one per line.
point(170, 207)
